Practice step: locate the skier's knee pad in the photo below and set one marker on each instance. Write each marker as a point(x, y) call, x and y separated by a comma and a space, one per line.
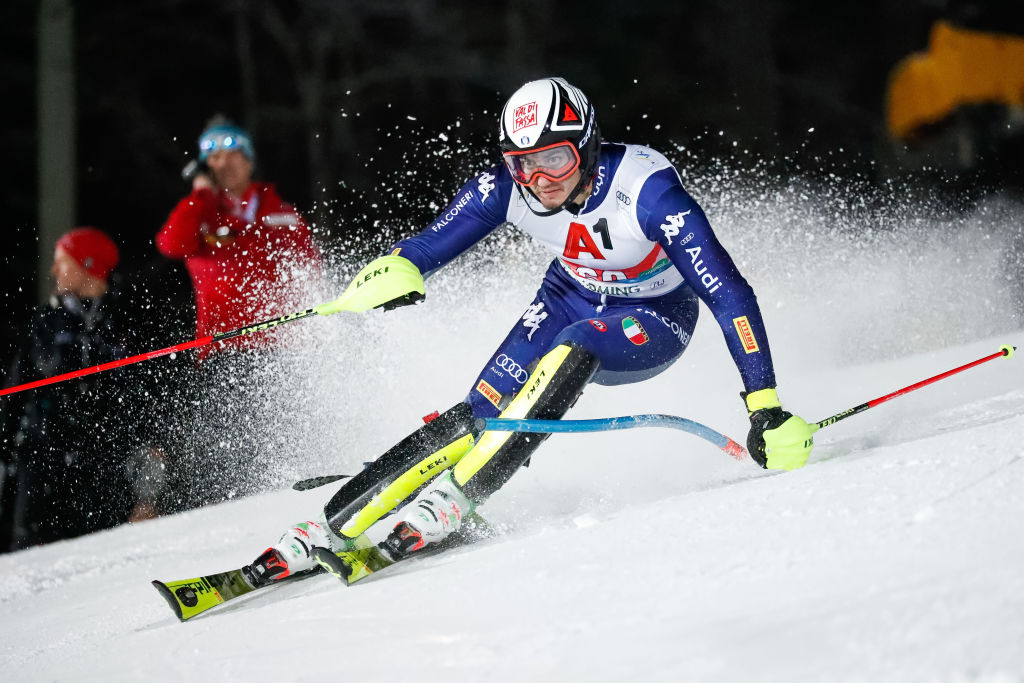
point(401, 472)
point(550, 391)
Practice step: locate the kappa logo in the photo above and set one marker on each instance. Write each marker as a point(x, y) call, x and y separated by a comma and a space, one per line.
point(533, 317)
point(485, 184)
point(671, 227)
point(524, 116)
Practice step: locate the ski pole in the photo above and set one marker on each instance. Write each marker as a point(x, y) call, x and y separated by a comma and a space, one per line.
point(1005, 351)
point(723, 442)
point(322, 480)
point(195, 343)
point(605, 424)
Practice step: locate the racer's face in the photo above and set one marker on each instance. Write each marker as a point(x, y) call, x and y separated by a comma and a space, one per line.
point(553, 193)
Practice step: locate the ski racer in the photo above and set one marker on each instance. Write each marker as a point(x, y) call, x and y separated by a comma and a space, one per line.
point(633, 255)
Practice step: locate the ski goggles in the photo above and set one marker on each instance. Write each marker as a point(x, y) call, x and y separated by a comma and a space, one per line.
point(555, 162)
point(225, 138)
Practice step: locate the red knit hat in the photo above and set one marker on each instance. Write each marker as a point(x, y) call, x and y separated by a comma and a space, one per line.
point(92, 248)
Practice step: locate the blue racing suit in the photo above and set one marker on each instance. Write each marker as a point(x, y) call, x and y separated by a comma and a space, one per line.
point(624, 284)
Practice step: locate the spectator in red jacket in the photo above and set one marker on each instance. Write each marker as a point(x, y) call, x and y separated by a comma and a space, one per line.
point(251, 258)
point(249, 253)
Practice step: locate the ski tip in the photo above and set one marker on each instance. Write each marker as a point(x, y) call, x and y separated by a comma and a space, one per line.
point(165, 592)
point(1007, 350)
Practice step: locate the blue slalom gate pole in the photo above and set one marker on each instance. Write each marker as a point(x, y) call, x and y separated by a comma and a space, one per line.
point(605, 424)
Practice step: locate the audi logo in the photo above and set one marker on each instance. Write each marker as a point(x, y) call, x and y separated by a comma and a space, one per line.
point(517, 371)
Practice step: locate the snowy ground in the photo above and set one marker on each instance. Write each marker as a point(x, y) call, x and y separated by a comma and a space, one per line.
point(895, 555)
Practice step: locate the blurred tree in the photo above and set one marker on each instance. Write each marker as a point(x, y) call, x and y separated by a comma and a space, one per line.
point(55, 109)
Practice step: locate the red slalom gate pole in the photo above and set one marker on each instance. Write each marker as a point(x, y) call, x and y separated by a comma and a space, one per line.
point(1004, 351)
point(195, 343)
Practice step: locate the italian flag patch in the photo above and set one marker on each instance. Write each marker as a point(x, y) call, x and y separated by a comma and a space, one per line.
point(634, 331)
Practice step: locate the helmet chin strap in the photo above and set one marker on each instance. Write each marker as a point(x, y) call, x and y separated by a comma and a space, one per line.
point(570, 203)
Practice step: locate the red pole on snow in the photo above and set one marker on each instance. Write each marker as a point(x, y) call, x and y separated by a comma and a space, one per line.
point(1004, 351)
point(195, 343)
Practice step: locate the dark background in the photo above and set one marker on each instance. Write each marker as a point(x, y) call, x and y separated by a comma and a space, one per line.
point(348, 102)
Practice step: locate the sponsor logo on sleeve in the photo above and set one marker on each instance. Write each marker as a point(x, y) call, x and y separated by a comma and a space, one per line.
point(453, 210)
point(673, 223)
point(710, 282)
point(485, 184)
point(634, 331)
point(599, 326)
point(489, 392)
point(746, 334)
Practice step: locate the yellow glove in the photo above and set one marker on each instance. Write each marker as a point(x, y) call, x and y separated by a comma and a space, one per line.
point(389, 282)
point(778, 440)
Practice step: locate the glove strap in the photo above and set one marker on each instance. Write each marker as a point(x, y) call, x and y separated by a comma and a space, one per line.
point(762, 399)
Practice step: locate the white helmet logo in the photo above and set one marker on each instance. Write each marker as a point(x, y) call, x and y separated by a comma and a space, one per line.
point(524, 116)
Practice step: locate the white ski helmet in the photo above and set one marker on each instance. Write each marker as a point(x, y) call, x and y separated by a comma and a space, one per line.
point(549, 116)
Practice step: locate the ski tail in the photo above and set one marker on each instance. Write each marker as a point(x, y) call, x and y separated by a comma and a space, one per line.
point(190, 597)
point(349, 566)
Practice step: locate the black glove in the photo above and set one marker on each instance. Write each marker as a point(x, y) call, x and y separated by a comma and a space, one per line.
point(760, 422)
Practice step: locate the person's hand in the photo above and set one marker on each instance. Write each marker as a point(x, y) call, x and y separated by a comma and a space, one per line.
point(778, 440)
point(387, 282)
point(201, 180)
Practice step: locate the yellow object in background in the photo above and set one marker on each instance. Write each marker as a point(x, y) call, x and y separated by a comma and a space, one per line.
point(961, 67)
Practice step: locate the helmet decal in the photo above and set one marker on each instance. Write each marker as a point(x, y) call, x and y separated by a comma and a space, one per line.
point(523, 116)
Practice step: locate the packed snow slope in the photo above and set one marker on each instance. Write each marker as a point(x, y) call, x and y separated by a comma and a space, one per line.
point(895, 555)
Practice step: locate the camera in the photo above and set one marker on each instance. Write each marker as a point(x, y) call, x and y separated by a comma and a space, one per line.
point(194, 168)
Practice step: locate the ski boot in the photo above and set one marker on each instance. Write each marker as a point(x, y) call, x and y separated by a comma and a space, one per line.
point(291, 555)
point(434, 515)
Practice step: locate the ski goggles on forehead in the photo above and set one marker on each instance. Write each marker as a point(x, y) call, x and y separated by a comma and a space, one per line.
point(555, 162)
point(221, 140)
